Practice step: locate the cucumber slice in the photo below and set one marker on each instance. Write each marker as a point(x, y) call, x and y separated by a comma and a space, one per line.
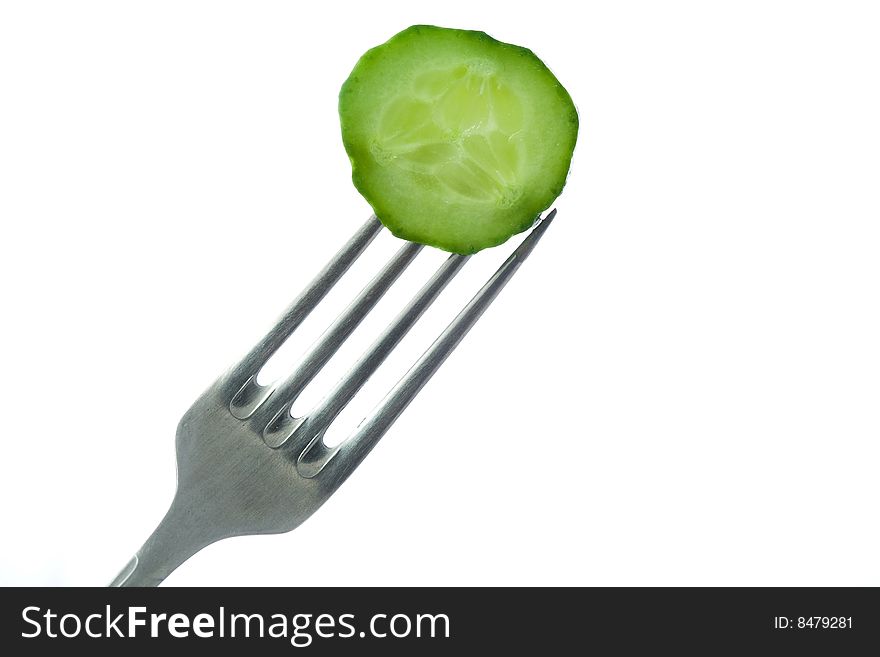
point(457, 140)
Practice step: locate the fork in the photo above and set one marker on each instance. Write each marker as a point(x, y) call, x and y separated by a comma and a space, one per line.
point(245, 465)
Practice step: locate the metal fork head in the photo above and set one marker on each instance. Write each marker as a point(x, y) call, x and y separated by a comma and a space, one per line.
point(246, 466)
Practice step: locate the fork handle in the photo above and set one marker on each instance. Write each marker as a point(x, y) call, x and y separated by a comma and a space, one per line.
point(172, 543)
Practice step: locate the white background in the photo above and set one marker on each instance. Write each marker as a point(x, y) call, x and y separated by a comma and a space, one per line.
point(680, 387)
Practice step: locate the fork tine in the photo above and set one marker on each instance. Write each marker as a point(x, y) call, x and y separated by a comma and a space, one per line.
point(288, 432)
point(353, 450)
point(246, 370)
point(329, 343)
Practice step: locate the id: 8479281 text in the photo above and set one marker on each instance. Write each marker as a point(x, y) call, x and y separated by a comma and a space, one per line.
point(813, 623)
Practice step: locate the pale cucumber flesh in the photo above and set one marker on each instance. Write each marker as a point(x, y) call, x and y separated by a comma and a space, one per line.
point(459, 126)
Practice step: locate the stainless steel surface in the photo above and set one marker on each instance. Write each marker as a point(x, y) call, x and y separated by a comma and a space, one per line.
point(246, 466)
